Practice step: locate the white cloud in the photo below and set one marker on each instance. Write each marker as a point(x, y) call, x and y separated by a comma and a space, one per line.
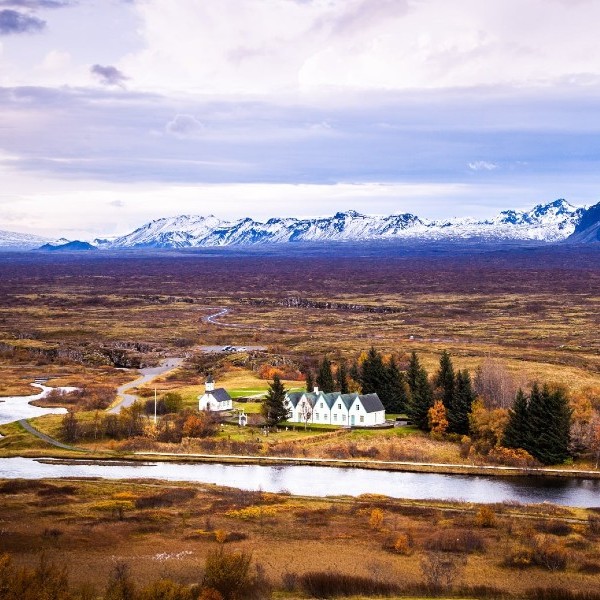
point(482, 165)
point(184, 126)
point(266, 46)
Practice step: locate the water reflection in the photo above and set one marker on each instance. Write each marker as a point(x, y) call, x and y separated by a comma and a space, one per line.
point(324, 481)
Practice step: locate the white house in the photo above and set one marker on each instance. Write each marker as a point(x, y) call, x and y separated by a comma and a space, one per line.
point(345, 410)
point(214, 399)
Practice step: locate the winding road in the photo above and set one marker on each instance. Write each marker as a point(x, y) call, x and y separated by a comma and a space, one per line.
point(148, 374)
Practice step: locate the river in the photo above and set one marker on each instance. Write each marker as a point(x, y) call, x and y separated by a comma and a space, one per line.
point(15, 408)
point(323, 481)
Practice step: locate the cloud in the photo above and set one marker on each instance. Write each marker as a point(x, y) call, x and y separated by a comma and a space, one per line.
point(117, 203)
point(108, 75)
point(184, 126)
point(35, 4)
point(12, 21)
point(482, 165)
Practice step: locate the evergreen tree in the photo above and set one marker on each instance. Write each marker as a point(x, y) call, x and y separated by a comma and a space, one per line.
point(325, 377)
point(421, 400)
point(550, 438)
point(372, 373)
point(273, 407)
point(342, 379)
point(462, 403)
point(412, 373)
point(516, 433)
point(310, 383)
point(445, 380)
point(394, 395)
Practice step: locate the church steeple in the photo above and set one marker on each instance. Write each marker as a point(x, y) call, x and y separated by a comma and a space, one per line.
point(209, 384)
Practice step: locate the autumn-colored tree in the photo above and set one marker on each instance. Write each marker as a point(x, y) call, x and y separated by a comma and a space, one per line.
point(487, 426)
point(376, 519)
point(494, 384)
point(438, 423)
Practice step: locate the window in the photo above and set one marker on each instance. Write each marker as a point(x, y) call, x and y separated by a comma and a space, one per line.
point(339, 406)
point(344, 418)
point(316, 416)
point(321, 405)
point(335, 416)
point(362, 418)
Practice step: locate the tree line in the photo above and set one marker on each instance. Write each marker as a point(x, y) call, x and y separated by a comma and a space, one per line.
point(539, 423)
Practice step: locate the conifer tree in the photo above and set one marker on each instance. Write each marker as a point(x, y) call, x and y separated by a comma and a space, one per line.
point(273, 407)
point(395, 392)
point(310, 383)
point(354, 372)
point(550, 438)
point(412, 373)
point(421, 400)
point(325, 377)
point(342, 378)
point(462, 403)
point(372, 374)
point(516, 433)
point(445, 380)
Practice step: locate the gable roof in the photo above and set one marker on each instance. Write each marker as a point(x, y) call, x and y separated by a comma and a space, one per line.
point(220, 395)
point(370, 402)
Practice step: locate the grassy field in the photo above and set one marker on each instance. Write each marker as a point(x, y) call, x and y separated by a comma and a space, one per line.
point(167, 530)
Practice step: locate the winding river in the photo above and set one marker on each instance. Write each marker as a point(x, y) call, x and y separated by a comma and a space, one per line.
point(323, 481)
point(15, 408)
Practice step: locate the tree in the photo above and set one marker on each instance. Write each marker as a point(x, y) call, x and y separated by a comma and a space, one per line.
point(394, 394)
point(372, 373)
point(325, 377)
point(342, 378)
point(462, 404)
point(273, 408)
point(516, 433)
point(69, 428)
point(445, 380)
point(438, 423)
point(495, 385)
point(412, 373)
point(306, 412)
point(421, 398)
point(310, 382)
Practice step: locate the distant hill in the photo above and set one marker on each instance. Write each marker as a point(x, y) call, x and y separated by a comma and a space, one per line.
point(588, 228)
point(10, 240)
point(74, 246)
point(551, 222)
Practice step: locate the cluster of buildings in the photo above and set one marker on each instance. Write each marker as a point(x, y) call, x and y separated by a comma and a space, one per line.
point(316, 407)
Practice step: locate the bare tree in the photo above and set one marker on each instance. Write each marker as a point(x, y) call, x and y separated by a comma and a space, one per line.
point(495, 384)
point(306, 412)
point(440, 570)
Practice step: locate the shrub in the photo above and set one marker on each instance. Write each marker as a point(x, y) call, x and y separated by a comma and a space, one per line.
point(519, 557)
point(376, 519)
point(554, 527)
point(594, 524)
point(400, 544)
point(229, 574)
point(560, 594)
point(486, 517)
point(165, 589)
point(441, 570)
point(455, 540)
point(327, 584)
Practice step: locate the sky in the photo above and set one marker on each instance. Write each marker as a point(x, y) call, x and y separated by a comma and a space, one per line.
point(116, 112)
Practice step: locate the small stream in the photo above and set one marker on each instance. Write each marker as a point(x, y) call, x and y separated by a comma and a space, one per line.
point(15, 408)
point(323, 481)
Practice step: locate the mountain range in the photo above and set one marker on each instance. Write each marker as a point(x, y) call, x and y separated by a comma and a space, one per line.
point(555, 221)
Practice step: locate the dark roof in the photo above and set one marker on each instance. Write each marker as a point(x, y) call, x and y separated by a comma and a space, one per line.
point(370, 402)
point(220, 395)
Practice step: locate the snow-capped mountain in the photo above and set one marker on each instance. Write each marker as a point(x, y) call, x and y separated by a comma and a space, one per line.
point(10, 240)
point(550, 222)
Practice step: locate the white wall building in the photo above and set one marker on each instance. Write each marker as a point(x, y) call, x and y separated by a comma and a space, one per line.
point(214, 399)
point(344, 410)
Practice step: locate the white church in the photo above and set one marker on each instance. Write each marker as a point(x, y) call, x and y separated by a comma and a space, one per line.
point(345, 410)
point(214, 399)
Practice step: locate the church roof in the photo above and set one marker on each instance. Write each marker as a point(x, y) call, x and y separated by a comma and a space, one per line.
point(220, 395)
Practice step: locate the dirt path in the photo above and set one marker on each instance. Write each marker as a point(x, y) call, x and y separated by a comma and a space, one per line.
point(148, 374)
point(46, 438)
